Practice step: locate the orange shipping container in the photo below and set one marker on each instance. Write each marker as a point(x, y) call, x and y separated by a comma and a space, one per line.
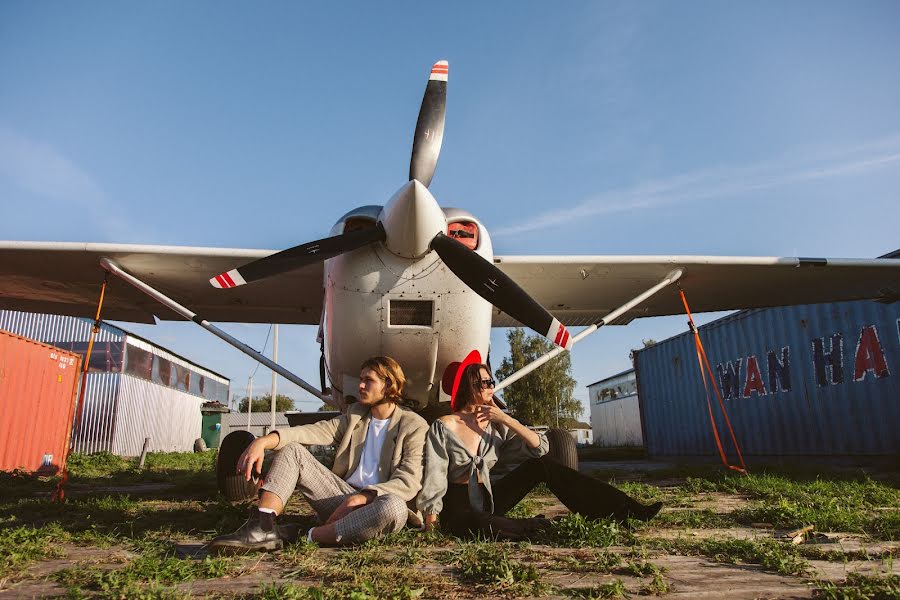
point(38, 384)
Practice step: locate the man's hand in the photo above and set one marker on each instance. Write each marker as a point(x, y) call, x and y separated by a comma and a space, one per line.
point(255, 453)
point(430, 523)
point(349, 504)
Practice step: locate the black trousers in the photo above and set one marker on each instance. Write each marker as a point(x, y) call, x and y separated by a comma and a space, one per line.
point(580, 493)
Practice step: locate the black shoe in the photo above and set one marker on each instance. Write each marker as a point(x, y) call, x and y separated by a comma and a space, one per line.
point(645, 513)
point(260, 533)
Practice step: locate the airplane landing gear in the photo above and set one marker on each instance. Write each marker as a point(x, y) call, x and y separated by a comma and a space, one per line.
point(232, 485)
point(562, 447)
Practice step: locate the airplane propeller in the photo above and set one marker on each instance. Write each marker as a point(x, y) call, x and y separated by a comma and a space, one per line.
point(495, 286)
point(299, 256)
point(430, 126)
point(482, 276)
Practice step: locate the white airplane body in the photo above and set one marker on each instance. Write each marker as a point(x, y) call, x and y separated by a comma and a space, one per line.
point(412, 309)
point(414, 281)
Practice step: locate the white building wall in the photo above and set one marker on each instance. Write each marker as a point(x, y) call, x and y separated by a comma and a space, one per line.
point(170, 418)
point(617, 423)
point(615, 411)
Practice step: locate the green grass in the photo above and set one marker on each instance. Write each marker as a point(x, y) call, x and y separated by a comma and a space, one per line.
point(860, 587)
point(575, 531)
point(772, 555)
point(611, 589)
point(289, 591)
point(150, 575)
point(22, 545)
point(488, 564)
point(410, 564)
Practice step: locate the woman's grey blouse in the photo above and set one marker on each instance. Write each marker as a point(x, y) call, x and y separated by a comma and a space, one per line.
point(446, 459)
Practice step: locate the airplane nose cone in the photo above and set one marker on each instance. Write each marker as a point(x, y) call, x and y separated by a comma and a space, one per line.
point(411, 219)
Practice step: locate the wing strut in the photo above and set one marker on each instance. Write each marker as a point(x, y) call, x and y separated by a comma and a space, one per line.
point(116, 270)
point(672, 277)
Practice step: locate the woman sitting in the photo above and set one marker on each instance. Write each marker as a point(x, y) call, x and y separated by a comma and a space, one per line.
point(463, 447)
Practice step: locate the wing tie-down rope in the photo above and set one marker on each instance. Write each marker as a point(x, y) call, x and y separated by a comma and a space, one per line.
point(706, 372)
point(78, 406)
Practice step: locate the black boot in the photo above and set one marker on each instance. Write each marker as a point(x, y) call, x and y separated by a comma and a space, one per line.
point(647, 512)
point(259, 533)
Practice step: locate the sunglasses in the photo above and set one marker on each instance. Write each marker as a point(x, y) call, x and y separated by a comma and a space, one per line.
point(487, 383)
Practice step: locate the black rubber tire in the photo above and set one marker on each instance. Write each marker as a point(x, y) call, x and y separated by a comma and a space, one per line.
point(233, 486)
point(562, 447)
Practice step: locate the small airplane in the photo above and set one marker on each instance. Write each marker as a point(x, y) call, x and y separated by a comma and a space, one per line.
point(412, 280)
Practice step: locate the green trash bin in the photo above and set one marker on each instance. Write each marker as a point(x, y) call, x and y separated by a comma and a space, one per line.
point(212, 425)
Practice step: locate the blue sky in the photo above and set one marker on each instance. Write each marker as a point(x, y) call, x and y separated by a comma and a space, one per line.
point(764, 128)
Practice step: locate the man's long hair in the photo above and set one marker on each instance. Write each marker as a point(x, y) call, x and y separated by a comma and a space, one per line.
point(388, 369)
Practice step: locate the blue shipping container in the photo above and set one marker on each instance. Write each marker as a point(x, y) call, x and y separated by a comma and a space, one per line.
point(812, 379)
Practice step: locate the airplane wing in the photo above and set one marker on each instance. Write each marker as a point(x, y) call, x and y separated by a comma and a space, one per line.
point(579, 290)
point(65, 278)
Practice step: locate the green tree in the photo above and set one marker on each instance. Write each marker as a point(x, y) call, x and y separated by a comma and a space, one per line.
point(545, 394)
point(264, 403)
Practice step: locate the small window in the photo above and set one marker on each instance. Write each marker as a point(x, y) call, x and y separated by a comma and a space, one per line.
point(411, 312)
point(138, 362)
point(464, 232)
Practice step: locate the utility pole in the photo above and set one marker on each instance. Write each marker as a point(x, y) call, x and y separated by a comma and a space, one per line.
point(557, 411)
point(274, 374)
point(249, 402)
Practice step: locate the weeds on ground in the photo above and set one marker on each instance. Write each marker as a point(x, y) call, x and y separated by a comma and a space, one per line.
point(860, 587)
point(526, 508)
point(366, 591)
point(22, 545)
point(589, 561)
point(771, 554)
point(611, 589)
point(488, 564)
point(575, 531)
point(696, 519)
point(860, 505)
point(148, 574)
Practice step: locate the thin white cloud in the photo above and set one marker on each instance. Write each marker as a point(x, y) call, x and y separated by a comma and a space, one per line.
point(40, 169)
point(722, 182)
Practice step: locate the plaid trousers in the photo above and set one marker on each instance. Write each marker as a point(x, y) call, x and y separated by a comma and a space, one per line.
point(294, 467)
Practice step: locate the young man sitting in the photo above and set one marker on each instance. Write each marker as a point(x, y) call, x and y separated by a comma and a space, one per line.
point(365, 495)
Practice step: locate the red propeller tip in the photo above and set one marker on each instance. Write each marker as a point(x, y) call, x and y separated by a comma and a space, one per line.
point(227, 280)
point(440, 71)
point(559, 335)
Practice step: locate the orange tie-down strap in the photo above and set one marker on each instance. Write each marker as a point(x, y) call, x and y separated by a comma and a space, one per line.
point(59, 495)
point(706, 372)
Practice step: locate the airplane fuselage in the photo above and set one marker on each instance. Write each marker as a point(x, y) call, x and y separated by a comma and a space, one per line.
point(413, 309)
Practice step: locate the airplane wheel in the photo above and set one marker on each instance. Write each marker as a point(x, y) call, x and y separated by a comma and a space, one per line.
point(562, 447)
point(233, 486)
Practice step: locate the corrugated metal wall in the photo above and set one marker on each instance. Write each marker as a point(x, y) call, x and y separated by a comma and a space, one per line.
point(37, 395)
point(56, 328)
point(617, 423)
point(260, 423)
point(812, 379)
point(615, 414)
point(96, 431)
point(170, 418)
point(120, 410)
